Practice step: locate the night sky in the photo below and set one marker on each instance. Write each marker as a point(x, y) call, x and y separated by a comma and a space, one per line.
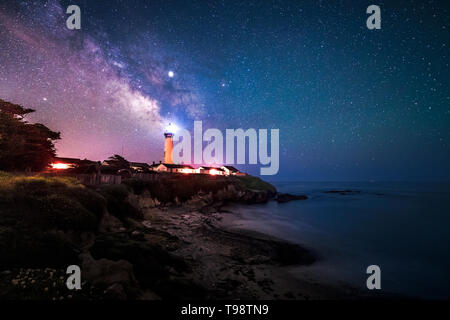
point(350, 103)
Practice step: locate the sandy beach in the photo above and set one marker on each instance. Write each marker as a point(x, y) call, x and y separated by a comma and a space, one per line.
point(232, 263)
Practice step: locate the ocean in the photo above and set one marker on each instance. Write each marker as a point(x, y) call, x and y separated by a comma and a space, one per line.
point(404, 228)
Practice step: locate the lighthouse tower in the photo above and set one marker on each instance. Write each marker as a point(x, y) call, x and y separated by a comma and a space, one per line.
point(168, 148)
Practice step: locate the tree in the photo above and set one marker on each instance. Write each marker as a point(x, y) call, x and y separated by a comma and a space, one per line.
point(118, 162)
point(24, 146)
point(14, 110)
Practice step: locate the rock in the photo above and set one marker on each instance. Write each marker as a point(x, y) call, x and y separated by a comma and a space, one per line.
point(257, 259)
point(115, 291)
point(286, 197)
point(37, 248)
point(180, 289)
point(137, 235)
point(149, 295)
point(150, 261)
point(147, 224)
point(289, 295)
point(343, 192)
point(198, 202)
point(249, 196)
point(109, 223)
point(209, 209)
point(143, 201)
point(229, 193)
point(104, 273)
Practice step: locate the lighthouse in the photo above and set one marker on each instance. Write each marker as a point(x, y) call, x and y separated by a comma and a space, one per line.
point(168, 147)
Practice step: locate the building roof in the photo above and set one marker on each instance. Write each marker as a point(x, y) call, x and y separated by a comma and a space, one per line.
point(67, 160)
point(73, 160)
point(139, 164)
point(232, 169)
point(211, 168)
point(176, 166)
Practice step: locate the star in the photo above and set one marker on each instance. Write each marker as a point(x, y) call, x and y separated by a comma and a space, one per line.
point(325, 81)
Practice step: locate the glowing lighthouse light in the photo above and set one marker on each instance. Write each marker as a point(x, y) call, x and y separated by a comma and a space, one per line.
point(172, 128)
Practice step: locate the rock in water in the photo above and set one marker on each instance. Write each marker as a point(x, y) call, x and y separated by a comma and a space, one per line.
point(343, 192)
point(285, 197)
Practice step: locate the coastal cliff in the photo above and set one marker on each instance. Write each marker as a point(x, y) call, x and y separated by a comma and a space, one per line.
point(141, 240)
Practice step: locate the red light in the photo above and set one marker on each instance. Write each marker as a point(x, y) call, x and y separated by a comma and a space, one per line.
point(60, 166)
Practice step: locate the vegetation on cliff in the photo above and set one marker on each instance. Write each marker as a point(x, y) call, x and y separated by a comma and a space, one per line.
point(184, 188)
point(37, 213)
point(62, 203)
point(253, 183)
point(49, 203)
point(48, 223)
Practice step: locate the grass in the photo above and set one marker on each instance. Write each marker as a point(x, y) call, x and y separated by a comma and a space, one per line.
point(116, 198)
point(253, 183)
point(166, 190)
point(43, 284)
point(41, 218)
point(183, 188)
point(49, 203)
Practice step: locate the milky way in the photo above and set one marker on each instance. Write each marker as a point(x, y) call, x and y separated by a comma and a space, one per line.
point(350, 103)
point(79, 85)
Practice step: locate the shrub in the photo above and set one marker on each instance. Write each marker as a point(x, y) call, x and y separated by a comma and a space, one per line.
point(254, 183)
point(35, 249)
point(48, 203)
point(183, 188)
point(117, 202)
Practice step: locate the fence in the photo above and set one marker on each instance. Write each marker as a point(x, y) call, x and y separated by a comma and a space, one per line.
point(146, 176)
point(97, 179)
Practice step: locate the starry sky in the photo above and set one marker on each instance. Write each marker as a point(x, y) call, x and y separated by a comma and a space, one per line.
point(350, 103)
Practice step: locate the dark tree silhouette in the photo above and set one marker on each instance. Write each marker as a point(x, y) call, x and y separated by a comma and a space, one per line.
point(118, 162)
point(24, 146)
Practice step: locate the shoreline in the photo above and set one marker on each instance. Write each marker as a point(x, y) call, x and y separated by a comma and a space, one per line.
point(232, 263)
point(147, 240)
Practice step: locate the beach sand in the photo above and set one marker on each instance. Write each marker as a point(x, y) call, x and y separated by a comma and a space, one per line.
point(232, 263)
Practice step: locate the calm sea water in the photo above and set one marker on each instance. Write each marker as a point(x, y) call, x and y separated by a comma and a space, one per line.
point(402, 227)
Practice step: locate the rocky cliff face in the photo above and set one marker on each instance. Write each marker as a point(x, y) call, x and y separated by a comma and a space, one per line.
point(178, 190)
point(58, 222)
point(204, 201)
